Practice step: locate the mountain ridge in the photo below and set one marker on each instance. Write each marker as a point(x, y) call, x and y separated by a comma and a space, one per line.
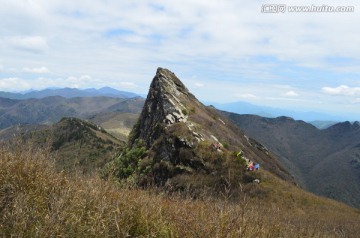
point(241, 107)
point(325, 162)
point(51, 109)
point(76, 145)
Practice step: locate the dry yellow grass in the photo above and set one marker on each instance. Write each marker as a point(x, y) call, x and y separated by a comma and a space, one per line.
point(36, 201)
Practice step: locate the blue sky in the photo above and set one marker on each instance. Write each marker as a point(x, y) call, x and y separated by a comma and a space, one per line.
point(224, 51)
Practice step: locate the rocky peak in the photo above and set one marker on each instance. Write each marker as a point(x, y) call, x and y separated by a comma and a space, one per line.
point(168, 81)
point(163, 105)
point(171, 90)
point(183, 136)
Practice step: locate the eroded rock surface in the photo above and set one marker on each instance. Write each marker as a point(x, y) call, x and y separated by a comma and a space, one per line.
point(177, 130)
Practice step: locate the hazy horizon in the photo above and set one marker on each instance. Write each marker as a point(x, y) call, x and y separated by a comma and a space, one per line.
point(224, 51)
point(240, 107)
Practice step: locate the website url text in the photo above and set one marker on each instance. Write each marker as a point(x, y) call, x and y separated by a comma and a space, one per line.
point(282, 8)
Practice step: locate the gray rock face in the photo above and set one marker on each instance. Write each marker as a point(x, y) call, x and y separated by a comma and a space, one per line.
point(162, 106)
point(178, 130)
point(163, 126)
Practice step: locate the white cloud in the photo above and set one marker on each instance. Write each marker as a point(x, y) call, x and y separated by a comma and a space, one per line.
point(40, 70)
point(357, 100)
point(83, 81)
point(74, 82)
point(128, 84)
point(342, 90)
point(192, 29)
point(291, 93)
point(14, 84)
point(29, 43)
point(199, 85)
point(246, 96)
point(85, 77)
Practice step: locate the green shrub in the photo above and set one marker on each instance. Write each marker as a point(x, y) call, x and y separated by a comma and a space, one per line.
point(127, 163)
point(184, 111)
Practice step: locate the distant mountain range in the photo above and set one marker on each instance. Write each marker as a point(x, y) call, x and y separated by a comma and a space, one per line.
point(69, 93)
point(325, 162)
point(317, 117)
point(50, 110)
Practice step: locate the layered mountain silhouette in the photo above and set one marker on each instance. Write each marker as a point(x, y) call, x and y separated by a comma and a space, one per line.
point(190, 144)
point(69, 93)
point(325, 162)
point(50, 110)
point(319, 118)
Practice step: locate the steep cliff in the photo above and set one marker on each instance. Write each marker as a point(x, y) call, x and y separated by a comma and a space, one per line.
point(185, 138)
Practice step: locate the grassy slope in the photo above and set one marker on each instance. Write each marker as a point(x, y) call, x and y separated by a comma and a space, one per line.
point(76, 145)
point(322, 161)
point(35, 200)
point(82, 146)
point(119, 124)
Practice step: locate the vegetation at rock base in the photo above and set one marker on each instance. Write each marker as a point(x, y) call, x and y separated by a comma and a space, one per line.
point(197, 170)
point(38, 201)
point(128, 163)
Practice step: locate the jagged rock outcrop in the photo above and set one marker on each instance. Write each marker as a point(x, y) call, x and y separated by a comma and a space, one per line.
point(162, 106)
point(185, 137)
